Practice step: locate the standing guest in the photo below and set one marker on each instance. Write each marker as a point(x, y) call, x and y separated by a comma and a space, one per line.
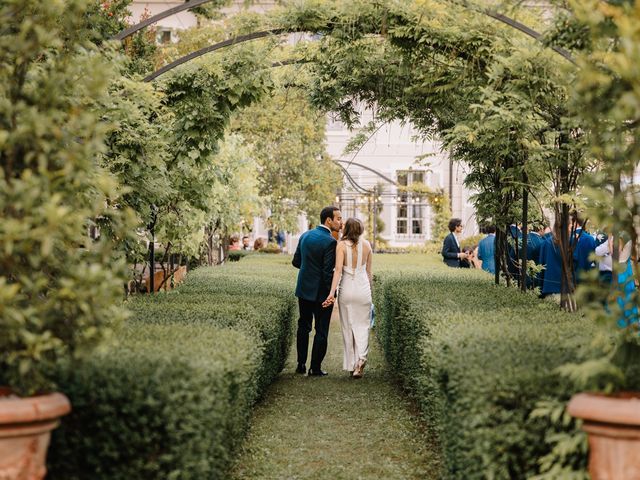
point(258, 244)
point(535, 238)
point(246, 245)
point(451, 253)
point(626, 284)
point(234, 243)
point(585, 246)
point(552, 275)
point(605, 265)
point(487, 250)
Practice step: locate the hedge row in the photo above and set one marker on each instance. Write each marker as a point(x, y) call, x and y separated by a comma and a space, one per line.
point(477, 359)
point(172, 398)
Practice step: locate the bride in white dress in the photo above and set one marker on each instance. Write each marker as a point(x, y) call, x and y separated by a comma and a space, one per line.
point(353, 275)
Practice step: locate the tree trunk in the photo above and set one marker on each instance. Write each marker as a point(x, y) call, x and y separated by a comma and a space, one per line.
point(525, 221)
point(563, 232)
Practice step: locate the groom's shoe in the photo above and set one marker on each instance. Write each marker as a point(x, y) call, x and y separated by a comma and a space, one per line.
point(317, 373)
point(301, 368)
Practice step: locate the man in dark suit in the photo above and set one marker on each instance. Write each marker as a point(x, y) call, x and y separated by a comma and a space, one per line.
point(451, 254)
point(316, 258)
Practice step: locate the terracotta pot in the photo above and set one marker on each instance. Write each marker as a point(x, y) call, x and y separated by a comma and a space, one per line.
point(159, 276)
point(613, 425)
point(25, 431)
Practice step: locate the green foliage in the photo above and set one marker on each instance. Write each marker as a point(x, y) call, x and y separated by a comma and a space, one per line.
point(137, 154)
point(478, 360)
point(271, 248)
point(172, 398)
point(234, 198)
point(237, 255)
point(59, 288)
point(568, 441)
point(170, 402)
point(204, 180)
point(607, 98)
point(288, 139)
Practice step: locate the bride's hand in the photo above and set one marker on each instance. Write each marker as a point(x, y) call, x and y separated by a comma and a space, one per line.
point(329, 301)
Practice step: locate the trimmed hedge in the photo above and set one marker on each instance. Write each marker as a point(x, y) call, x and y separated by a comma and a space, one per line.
point(477, 358)
point(172, 398)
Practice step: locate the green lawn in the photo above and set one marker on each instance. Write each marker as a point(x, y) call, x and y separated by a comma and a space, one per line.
point(336, 427)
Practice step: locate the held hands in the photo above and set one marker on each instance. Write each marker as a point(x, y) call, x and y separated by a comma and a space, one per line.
point(331, 299)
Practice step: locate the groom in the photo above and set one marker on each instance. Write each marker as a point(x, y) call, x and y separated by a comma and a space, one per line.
point(315, 257)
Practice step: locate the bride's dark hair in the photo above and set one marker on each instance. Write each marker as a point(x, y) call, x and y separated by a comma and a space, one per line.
point(353, 228)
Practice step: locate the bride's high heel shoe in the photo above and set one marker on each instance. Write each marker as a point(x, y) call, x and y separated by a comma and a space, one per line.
point(359, 371)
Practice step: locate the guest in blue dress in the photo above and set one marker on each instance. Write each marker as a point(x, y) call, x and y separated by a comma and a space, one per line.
point(487, 250)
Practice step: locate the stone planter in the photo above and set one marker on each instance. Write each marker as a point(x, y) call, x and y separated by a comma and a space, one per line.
point(613, 426)
point(25, 431)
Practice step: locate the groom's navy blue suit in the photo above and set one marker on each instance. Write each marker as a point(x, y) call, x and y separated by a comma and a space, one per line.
point(315, 257)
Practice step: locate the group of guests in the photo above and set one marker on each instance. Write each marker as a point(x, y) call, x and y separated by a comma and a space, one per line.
point(590, 251)
point(234, 243)
point(475, 256)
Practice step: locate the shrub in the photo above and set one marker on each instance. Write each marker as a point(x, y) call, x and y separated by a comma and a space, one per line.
point(172, 398)
point(478, 358)
point(58, 290)
point(171, 401)
point(237, 255)
point(271, 248)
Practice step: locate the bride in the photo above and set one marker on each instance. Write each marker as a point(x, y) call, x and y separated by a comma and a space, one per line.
point(353, 274)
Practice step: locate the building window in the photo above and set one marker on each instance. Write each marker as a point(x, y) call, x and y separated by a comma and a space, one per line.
point(348, 207)
point(411, 209)
point(164, 37)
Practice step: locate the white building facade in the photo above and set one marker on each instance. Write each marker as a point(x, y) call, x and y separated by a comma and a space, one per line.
point(393, 158)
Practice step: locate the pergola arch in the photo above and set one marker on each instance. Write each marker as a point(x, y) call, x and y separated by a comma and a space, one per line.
point(278, 31)
point(371, 31)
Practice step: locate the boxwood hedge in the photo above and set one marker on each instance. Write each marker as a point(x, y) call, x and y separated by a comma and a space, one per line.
point(477, 359)
point(171, 398)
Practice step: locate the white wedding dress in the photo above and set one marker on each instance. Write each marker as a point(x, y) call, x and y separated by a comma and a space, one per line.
point(354, 305)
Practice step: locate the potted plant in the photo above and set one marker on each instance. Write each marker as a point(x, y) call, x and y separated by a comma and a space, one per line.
point(59, 290)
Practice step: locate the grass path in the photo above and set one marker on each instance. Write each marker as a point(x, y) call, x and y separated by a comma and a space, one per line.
point(336, 427)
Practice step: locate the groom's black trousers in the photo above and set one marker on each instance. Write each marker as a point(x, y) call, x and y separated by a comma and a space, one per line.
point(308, 311)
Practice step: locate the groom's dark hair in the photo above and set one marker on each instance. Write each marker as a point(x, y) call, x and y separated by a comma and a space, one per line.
point(327, 212)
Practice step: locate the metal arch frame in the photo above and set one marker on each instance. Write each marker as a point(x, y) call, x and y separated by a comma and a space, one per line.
point(151, 20)
point(212, 48)
point(252, 36)
point(365, 167)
